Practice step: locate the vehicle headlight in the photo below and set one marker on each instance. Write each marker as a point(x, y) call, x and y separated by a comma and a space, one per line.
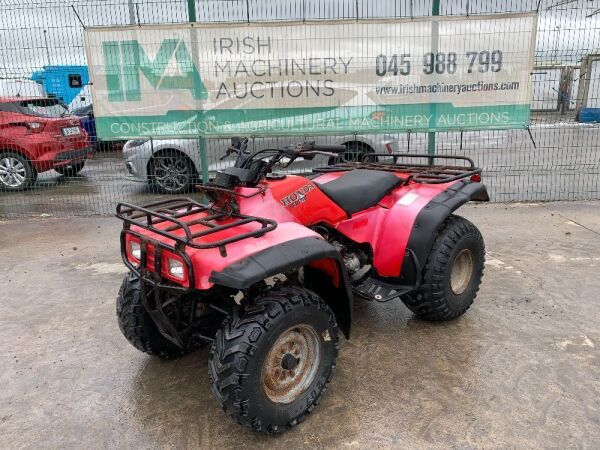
point(175, 268)
point(135, 250)
point(136, 143)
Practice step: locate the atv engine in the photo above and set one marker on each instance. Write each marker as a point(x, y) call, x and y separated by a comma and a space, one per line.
point(356, 257)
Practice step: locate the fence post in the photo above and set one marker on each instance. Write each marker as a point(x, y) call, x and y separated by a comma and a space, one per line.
point(435, 11)
point(201, 139)
point(131, 10)
point(584, 82)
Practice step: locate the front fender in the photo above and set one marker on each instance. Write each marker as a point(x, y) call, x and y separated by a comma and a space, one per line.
point(315, 255)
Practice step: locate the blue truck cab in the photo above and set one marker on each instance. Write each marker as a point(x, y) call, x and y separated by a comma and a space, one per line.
point(70, 84)
point(67, 83)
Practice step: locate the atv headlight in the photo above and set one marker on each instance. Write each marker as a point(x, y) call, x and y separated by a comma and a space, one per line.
point(175, 268)
point(135, 250)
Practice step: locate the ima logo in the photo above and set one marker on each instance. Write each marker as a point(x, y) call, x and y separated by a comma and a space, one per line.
point(125, 61)
point(295, 198)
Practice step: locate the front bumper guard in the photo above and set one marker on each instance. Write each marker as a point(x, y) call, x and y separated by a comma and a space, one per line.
point(153, 287)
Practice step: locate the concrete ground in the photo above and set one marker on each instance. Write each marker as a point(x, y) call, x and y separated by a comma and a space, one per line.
point(520, 370)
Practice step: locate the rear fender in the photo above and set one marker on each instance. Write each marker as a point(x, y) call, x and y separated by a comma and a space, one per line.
point(428, 222)
point(324, 273)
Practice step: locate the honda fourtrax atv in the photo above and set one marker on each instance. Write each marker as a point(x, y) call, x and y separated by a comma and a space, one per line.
point(266, 271)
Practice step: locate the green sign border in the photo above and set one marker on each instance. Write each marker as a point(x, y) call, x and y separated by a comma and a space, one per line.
point(315, 120)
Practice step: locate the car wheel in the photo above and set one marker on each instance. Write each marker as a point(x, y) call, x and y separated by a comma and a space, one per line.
point(70, 170)
point(16, 172)
point(172, 173)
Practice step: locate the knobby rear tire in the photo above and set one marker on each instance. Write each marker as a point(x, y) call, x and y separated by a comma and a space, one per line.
point(435, 300)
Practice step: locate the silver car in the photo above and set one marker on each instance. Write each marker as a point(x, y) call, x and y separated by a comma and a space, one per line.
point(173, 166)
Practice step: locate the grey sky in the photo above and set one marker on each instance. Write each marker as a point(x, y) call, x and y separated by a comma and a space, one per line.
point(565, 34)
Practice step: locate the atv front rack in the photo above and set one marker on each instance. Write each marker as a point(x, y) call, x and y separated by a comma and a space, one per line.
point(427, 173)
point(172, 214)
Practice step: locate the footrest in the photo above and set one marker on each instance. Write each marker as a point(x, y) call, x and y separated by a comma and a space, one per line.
point(379, 291)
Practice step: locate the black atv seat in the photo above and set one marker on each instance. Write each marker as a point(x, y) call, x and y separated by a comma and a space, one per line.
point(359, 189)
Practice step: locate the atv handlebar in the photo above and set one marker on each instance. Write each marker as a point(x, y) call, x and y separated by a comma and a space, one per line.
point(307, 148)
point(331, 148)
point(251, 166)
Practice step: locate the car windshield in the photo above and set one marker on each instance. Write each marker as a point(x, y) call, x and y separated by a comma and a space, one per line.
point(83, 111)
point(44, 107)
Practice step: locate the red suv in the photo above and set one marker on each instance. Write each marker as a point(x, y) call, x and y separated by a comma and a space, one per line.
point(37, 135)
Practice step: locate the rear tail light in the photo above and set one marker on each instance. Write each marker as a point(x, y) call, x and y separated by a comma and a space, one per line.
point(476, 178)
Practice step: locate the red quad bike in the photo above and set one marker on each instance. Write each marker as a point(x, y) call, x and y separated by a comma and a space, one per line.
point(267, 270)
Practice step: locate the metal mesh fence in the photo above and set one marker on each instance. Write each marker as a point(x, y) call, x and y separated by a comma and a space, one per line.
point(41, 53)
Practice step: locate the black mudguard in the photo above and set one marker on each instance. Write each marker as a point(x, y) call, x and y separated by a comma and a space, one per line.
point(428, 222)
point(289, 256)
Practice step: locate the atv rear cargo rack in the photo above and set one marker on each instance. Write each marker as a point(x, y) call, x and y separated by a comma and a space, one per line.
point(175, 211)
point(418, 173)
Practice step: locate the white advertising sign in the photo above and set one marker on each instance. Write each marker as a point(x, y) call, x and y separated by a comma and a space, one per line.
point(328, 77)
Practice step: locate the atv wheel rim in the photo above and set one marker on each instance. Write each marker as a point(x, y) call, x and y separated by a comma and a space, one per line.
point(462, 271)
point(172, 173)
point(283, 383)
point(12, 172)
